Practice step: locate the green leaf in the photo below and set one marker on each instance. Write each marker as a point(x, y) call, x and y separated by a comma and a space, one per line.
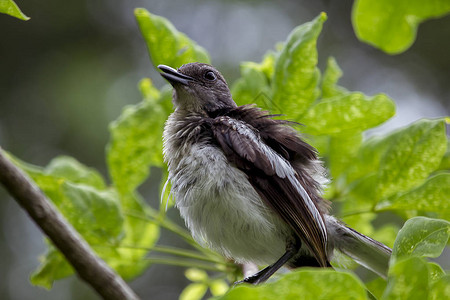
point(368, 159)
point(432, 195)
point(80, 194)
point(196, 275)
point(72, 170)
point(95, 214)
point(330, 79)
point(399, 161)
point(343, 149)
point(122, 241)
point(135, 145)
point(166, 45)
point(435, 271)
point(360, 196)
point(414, 152)
point(386, 234)
point(303, 284)
point(148, 91)
point(267, 66)
point(342, 262)
point(420, 237)
point(9, 7)
point(165, 100)
point(391, 25)
point(362, 222)
point(353, 112)
point(128, 257)
point(296, 74)
point(53, 267)
point(252, 87)
point(407, 279)
point(28, 168)
point(377, 287)
point(218, 287)
point(64, 167)
point(194, 291)
point(320, 142)
point(445, 163)
point(440, 289)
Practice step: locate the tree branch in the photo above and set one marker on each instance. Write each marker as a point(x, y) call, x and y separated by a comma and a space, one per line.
point(87, 264)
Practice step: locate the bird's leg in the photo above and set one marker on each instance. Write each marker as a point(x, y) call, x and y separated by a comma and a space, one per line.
point(265, 273)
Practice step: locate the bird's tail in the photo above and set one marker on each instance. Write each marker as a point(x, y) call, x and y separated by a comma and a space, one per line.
point(365, 251)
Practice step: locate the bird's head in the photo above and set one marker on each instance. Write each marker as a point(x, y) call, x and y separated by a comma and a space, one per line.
point(198, 87)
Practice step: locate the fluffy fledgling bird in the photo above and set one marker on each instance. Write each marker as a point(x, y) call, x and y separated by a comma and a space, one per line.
point(247, 185)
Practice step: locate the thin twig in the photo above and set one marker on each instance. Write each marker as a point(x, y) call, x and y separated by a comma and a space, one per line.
point(87, 264)
point(169, 225)
point(185, 263)
point(187, 253)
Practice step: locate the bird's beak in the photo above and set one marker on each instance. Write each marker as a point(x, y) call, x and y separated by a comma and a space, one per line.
point(173, 76)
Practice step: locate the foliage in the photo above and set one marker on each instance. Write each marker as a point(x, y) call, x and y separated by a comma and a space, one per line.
point(411, 276)
point(391, 25)
point(9, 7)
point(165, 44)
point(304, 284)
point(200, 285)
point(404, 173)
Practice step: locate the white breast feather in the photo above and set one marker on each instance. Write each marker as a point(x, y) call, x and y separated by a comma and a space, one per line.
point(220, 206)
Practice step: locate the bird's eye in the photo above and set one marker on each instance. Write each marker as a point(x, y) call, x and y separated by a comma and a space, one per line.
point(209, 75)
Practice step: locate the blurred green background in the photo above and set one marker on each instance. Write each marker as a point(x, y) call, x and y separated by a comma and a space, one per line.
point(67, 72)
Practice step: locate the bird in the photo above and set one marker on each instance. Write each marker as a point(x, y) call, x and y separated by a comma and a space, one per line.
point(247, 184)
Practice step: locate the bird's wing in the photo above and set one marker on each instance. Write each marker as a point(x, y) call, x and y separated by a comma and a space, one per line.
point(275, 180)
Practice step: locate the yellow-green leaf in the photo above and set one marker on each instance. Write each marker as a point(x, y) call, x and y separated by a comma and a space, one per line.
point(252, 87)
point(296, 77)
point(330, 79)
point(440, 289)
point(194, 291)
point(407, 279)
point(421, 236)
point(304, 284)
point(9, 7)
point(166, 45)
point(136, 144)
point(218, 287)
point(352, 112)
point(196, 275)
point(391, 25)
point(413, 153)
point(432, 195)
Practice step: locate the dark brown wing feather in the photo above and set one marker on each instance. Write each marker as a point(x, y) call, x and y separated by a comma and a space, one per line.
point(278, 193)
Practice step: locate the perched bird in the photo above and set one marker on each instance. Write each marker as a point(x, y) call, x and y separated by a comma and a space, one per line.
point(247, 185)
